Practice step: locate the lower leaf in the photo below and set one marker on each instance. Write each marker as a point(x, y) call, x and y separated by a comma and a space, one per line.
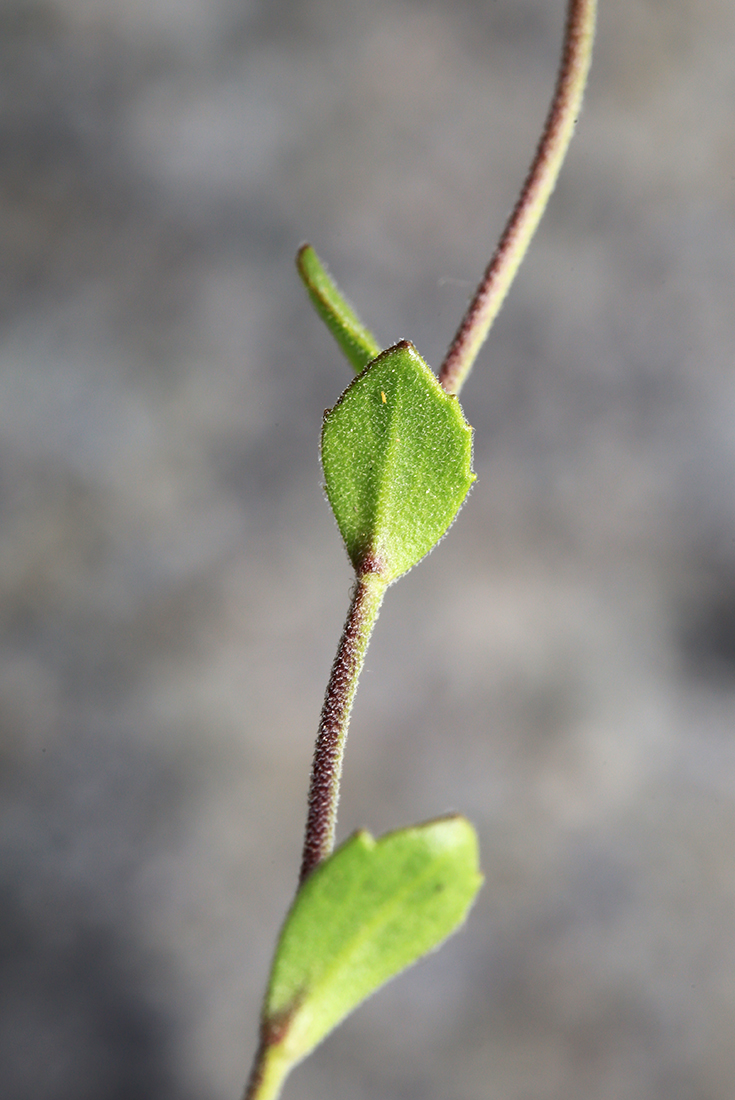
point(364, 915)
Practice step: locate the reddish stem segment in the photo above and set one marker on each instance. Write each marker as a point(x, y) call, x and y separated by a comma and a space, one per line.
point(540, 181)
point(330, 744)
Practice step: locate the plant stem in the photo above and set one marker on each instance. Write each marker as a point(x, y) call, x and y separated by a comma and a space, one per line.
point(540, 181)
point(326, 771)
point(272, 1065)
point(270, 1070)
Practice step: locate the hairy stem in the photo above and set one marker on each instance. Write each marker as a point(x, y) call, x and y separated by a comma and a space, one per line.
point(542, 176)
point(271, 1065)
point(330, 745)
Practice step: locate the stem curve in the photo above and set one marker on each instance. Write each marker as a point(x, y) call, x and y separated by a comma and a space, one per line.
point(537, 189)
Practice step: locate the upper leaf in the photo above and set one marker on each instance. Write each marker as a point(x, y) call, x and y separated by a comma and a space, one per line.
point(397, 459)
point(365, 914)
point(356, 341)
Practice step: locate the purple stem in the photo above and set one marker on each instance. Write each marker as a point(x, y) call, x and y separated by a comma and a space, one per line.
point(326, 771)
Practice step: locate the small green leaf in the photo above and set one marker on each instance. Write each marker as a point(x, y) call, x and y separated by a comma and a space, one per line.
point(397, 459)
point(369, 911)
point(356, 342)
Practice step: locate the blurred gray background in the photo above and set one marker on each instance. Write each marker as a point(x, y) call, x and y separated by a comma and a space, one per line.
point(173, 586)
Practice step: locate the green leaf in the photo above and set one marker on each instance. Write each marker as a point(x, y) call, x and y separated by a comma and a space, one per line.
point(369, 911)
point(356, 342)
point(397, 459)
